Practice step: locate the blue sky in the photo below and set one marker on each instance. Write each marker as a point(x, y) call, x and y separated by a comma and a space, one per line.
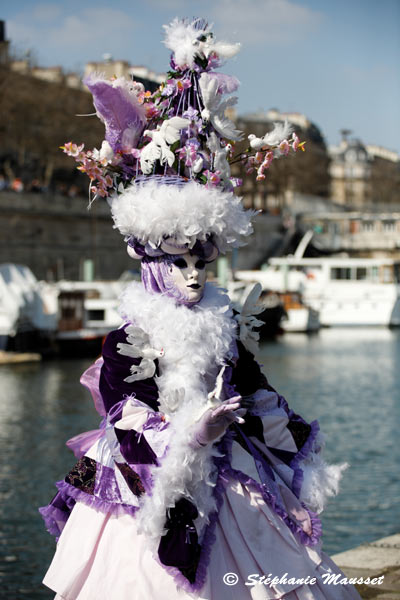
point(337, 61)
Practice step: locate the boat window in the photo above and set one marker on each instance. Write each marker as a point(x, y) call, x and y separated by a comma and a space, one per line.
point(387, 274)
point(340, 273)
point(374, 273)
point(95, 315)
point(361, 273)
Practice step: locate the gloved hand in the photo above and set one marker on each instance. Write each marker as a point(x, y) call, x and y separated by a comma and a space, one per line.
point(215, 421)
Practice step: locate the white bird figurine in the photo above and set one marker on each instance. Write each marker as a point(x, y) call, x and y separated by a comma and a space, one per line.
point(159, 148)
point(215, 107)
point(139, 346)
point(247, 320)
point(280, 132)
point(220, 156)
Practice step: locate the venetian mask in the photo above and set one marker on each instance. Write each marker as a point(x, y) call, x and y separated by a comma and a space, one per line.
point(188, 273)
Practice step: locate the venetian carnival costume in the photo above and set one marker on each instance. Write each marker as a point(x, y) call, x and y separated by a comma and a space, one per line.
point(200, 478)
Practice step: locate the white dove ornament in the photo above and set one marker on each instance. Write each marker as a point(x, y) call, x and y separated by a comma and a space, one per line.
point(220, 156)
point(247, 320)
point(215, 107)
point(139, 346)
point(159, 148)
point(281, 131)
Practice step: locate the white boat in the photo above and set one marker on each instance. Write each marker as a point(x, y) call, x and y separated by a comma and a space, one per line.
point(298, 317)
point(345, 291)
point(27, 307)
point(87, 312)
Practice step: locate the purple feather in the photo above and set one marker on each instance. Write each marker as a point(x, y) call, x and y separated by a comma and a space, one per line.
point(226, 83)
point(117, 107)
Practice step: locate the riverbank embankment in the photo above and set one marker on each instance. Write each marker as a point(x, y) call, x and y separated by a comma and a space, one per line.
point(375, 560)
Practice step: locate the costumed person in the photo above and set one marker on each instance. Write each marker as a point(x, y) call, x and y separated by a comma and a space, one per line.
point(200, 482)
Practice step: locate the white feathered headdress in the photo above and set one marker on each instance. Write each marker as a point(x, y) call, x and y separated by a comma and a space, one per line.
point(165, 162)
point(159, 215)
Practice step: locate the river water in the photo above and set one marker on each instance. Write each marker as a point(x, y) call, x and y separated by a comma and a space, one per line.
point(347, 379)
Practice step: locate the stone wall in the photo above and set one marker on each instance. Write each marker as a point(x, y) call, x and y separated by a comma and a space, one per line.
point(54, 235)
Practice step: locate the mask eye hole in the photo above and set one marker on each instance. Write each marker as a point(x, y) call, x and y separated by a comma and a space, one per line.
point(180, 263)
point(200, 264)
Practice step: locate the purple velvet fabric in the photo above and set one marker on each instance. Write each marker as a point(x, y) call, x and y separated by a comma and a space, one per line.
point(134, 447)
point(116, 368)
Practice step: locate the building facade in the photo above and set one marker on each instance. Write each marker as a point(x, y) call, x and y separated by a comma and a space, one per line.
point(363, 175)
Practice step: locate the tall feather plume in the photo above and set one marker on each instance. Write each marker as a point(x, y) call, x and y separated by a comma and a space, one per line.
point(118, 108)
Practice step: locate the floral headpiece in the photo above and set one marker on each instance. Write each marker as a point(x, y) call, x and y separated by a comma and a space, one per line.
point(165, 161)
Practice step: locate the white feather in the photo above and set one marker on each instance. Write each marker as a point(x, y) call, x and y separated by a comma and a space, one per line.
point(320, 479)
point(182, 38)
point(196, 341)
point(185, 213)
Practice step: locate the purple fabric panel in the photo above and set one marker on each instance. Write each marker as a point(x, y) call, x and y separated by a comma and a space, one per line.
point(247, 376)
point(98, 503)
point(144, 473)
point(272, 501)
point(301, 455)
point(106, 487)
point(56, 513)
point(90, 379)
point(54, 519)
point(115, 369)
point(134, 447)
point(179, 546)
point(81, 443)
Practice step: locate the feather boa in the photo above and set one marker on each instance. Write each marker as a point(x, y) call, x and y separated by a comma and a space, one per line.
point(187, 213)
point(196, 343)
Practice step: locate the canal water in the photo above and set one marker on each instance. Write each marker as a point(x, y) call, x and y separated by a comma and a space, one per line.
point(347, 379)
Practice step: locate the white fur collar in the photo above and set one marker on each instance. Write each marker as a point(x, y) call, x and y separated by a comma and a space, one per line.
point(196, 342)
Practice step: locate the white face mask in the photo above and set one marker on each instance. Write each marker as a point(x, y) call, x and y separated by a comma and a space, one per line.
point(188, 273)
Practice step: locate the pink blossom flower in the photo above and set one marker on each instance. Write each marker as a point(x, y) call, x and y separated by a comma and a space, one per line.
point(213, 179)
point(142, 96)
point(258, 158)
point(260, 176)
point(284, 147)
point(183, 84)
point(72, 149)
point(269, 157)
point(250, 165)
point(102, 192)
point(189, 152)
point(295, 142)
point(151, 110)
